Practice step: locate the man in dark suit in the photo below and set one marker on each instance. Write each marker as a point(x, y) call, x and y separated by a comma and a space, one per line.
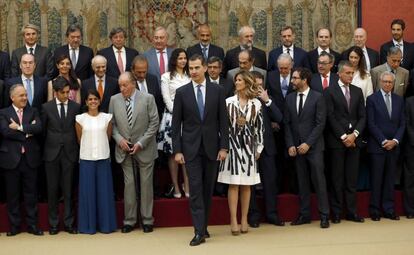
point(371, 56)
point(80, 55)
point(214, 68)
point(43, 56)
point(4, 65)
point(304, 118)
point(106, 86)
point(147, 82)
point(205, 48)
point(397, 31)
point(118, 56)
point(35, 86)
point(60, 153)
point(246, 35)
point(324, 77)
point(346, 121)
point(287, 36)
point(267, 161)
point(386, 126)
point(200, 137)
point(408, 195)
point(323, 39)
point(19, 159)
point(246, 62)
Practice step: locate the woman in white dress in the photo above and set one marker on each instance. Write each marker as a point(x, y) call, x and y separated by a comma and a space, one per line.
point(362, 78)
point(246, 129)
point(170, 82)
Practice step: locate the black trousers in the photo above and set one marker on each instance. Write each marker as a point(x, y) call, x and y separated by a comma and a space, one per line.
point(409, 184)
point(22, 175)
point(59, 173)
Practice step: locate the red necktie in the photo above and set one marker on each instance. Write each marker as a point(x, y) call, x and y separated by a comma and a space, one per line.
point(20, 115)
point(325, 83)
point(162, 63)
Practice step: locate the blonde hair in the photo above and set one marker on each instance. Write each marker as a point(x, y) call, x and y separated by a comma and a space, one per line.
point(31, 26)
point(252, 89)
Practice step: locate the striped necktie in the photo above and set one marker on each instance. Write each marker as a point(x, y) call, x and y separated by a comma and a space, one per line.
point(128, 105)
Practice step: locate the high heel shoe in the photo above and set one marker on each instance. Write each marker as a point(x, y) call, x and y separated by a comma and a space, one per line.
point(187, 194)
point(245, 230)
point(235, 232)
point(177, 194)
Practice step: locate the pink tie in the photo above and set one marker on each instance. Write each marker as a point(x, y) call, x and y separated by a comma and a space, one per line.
point(325, 83)
point(347, 96)
point(162, 63)
point(20, 115)
point(120, 63)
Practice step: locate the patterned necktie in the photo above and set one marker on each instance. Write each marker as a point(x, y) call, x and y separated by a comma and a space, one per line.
point(128, 105)
point(20, 115)
point(73, 58)
point(347, 96)
point(388, 104)
point(31, 51)
point(200, 101)
point(120, 62)
point(300, 103)
point(29, 91)
point(100, 88)
point(162, 63)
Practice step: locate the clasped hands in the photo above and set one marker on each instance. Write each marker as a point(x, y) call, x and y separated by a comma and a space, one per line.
point(179, 157)
point(125, 146)
point(301, 150)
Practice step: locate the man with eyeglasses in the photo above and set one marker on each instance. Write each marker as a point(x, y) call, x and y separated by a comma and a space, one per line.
point(392, 65)
point(321, 80)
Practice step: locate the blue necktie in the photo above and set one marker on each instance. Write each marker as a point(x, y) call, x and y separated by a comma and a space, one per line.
point(205, 53)
point(29, 91)
point(284, 87)
point(200, 102)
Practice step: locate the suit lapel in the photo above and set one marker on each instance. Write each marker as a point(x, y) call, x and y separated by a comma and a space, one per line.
point(382, 104)
point(136, 106)
point(207, 101)
point(339, 92)
point(193, 99)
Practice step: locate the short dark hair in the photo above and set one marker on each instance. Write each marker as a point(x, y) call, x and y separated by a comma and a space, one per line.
point(287, 28)
point(257, 75)
point(117, 30)
point(330, 56)
point(138, 58)
point(249, 53)
point(398, 22)
point(73, 28)
point(199, 57)
point(214, 59)
point(329, 30)
point(60, 83)
point(304, 74)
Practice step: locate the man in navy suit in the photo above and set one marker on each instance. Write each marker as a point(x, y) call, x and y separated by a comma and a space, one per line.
point(159, 55)
point(200, 137)
point(106, 86)
point(119, 57)
point(323, 39)
point(386, 126)
point(324, 77)
point(36, 86)
point(80, 55)
point(246, 36)
point(19, 159)
point(214, 68)
point(147, 82)
point(397, 31)
point(304, 118)
point(4, 65)
point(287, 36)
point(205, 48)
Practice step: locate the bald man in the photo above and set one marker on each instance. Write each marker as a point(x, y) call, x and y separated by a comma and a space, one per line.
point(205, 48)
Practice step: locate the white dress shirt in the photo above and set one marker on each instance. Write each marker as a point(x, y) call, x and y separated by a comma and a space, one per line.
point(203, 89)
point(123, 55)
point(305, 95)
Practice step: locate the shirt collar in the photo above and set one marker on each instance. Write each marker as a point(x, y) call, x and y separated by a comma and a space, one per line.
point(204, 46)
point(320, 50)
point(24, 78)
point(195, 84)
point(15, 108)
point(396, 42)
point(33, 47)
point(327, 75)
point(97, 78)
point(341, 84)
point(70, 48)
point(305, 93)
point(116, 49)
point(216, 80)
point(59, 102)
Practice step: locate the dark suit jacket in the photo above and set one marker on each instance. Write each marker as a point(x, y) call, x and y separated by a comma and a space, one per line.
point(316, 82)
point(231, 60)
point(4, 65)
point(409, 119)
point(1, 93)
point(213, 50)
point(274, 89)
point(13, 140)
point(373, 56)
point(39, 94)
point(227, 85)
point(155, 90)
point(44, 61)
point(312, 60)
point(189, 132)
point(340, 119)
point(111, 65)
point(380, 126)
point(59, 134)
point(271, 114)
point(408, 54)
point(83, 67)
point(111, 88)
point(307, 127)
point(299, 57)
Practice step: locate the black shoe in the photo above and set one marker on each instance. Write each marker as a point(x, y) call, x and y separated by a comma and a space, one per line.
point(410, 216)
point(254, 224)
point(71, 230)
point(34, 230)
point(197, 240)
point(354, 218)
point(147, 228)
point(300, 221)
point(324, 222)
point(276, 221)
point(13, 231)
point(336, 218)
point(127, 228)
point(53, 230)
point(391, 216)
point(375, 217)
point(206, 234)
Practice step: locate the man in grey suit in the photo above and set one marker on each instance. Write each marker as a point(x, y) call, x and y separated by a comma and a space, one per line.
point(135, 124)
point(393, 63)
point(159, 55)
point(246, 61)
point(43, 56)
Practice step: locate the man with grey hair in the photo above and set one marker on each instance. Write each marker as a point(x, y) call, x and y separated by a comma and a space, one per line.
point(159, 55)
point(386, 126)
point(324, 77)
point(246, 37)
point(80, 55)
point(246, 61)
point(119, 56)
point(43, 56)
point(393, 63)
point(106, 85)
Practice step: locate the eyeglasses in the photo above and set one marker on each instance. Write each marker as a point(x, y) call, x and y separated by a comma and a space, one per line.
point(323, 63)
